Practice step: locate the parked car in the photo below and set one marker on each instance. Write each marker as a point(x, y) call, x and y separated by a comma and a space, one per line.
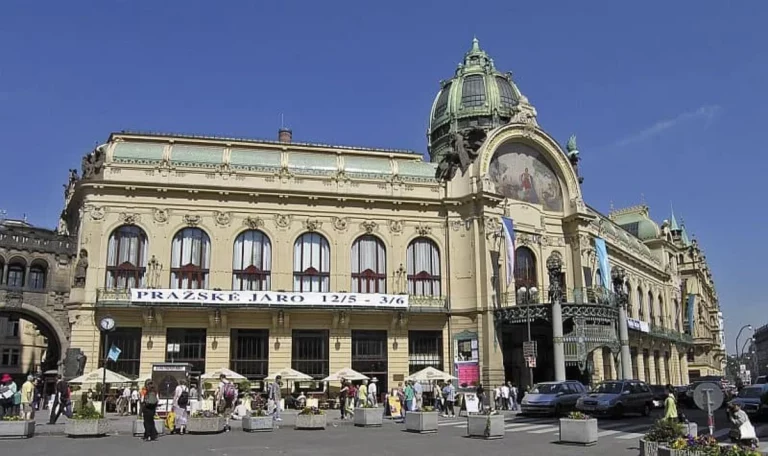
point(681, 393)
point(660, 394)
point(761, 380)
point(617, 397)
point(752, 399)
point(728, 393)
point(552, 398)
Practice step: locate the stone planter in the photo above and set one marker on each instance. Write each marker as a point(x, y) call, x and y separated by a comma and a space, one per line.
point(648, 448)
point(86, 428)
point(578, 432)
point(369, 417)
point(421, 422)
point(478, 426)
point(138, 427)
point(211, 425)
point(258, 424)
point(20, 429)
point(310, 422)
point(664, 451)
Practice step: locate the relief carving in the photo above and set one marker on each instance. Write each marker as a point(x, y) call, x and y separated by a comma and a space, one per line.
point(192, 220)
point(423, 230)
point(254, 223)
point(312, 224)
point(369, 226)
point(282, 220)
point(129, 219)
point(340, 224)
point(465, 145)
point(160, 215)
point(97, 213)
point(395, 226)
point(223, 218)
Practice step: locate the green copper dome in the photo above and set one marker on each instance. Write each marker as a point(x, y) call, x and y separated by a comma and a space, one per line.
point(478, 96)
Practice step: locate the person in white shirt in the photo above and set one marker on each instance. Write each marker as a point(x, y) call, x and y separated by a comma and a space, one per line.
point(180, 404)
point(240, 411)
point(505, 397)
point(134, 401)
point(125, 401)
point(373, 392)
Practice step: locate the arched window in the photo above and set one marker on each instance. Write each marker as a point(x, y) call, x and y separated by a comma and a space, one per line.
point(369, 265)
point(252, 262)
point(525, 268)
point(127, 257)
point(423, 268)
point(16, 269)
point(662, 313)
point(190, 259)
point(640, 307)
point(37, 275)
point(651, 308)
point(311, 263)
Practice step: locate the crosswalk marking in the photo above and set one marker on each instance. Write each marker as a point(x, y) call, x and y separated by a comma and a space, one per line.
point(545, 430)
point(721, 433)
point(529, 428)
point(607, 433)
point(629, 436)
point(635, 427)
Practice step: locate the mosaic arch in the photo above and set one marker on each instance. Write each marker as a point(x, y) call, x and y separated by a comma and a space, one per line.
point(522, 173)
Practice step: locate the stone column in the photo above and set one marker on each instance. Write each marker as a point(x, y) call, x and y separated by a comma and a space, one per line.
point(4, 278)
point(554, 267)
point(640, 366)
point(619, 288)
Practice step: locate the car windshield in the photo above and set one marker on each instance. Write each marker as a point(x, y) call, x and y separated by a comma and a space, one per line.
point(761, 381)
point(607, 388)
point(546, 388)
point(752, 393)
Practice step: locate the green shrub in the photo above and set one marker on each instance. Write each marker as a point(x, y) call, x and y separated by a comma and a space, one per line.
point(665, 431)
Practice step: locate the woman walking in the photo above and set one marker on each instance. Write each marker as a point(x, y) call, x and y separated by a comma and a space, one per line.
point(148, 412)
point(670, 405)
point(180, 403)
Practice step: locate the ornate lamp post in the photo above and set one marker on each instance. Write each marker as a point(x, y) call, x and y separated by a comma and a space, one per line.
point(618, 276)
point(554, 268)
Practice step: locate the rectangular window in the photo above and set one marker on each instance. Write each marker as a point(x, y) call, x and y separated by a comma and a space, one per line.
point(647, 366)
point(128, 340)
point(11, 357)
point(249, 352)
point(657, 361)
point(12, 328)
point(369, 355)
point(425, 349)
point(185, 345)
point(310, 352)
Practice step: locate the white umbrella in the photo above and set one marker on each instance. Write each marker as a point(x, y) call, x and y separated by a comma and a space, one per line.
point(430, 374)
point(289, 374)
point(346, 374)
point(232, 375)
point(97, 376)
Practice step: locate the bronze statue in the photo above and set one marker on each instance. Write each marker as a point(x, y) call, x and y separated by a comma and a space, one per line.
point(465, 145)
point(81, 269)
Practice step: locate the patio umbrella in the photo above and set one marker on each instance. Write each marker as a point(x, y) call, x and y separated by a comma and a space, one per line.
point(97, 376)
point(347, 374)
point(289, 374)
point(231, 375)
point(430, 374)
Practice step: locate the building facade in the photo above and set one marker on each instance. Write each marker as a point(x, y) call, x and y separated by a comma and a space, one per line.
point(259, 255)
point(34, 290)
point(760, 349)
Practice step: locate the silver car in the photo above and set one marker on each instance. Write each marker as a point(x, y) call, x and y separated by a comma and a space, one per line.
point(552, 398)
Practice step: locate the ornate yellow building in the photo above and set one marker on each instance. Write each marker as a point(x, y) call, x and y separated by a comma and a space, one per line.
point(373, 259)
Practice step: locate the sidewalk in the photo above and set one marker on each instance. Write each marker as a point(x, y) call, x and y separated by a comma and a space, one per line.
point(123, 425)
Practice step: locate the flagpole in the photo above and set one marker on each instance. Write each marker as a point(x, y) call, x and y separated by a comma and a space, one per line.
point(104, 373)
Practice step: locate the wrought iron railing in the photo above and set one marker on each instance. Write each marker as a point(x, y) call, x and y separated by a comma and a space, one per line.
point(541, 295)
point(428, 302)
point(670, 334)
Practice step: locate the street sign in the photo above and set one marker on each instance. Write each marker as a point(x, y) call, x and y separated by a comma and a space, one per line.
point(709, 397)
point(531, 361)
point(529, 349)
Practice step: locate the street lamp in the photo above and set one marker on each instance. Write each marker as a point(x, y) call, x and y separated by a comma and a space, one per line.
point(618, 277)
point(528, 297)
point(739, 335)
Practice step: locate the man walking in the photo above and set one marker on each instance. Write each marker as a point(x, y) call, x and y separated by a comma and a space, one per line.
point(225, 396)
point(418, 391)
point(27, 398)
point(274, 397)
point(373, 392)
point(449, 392)
point(60, 400)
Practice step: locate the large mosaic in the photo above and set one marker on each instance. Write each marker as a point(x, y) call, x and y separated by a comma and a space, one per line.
point(521, 172)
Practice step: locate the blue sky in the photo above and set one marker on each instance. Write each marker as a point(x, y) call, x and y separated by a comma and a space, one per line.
point(668, 99)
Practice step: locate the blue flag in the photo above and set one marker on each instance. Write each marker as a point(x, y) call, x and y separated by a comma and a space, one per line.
point(602, 260)
point(114, 353)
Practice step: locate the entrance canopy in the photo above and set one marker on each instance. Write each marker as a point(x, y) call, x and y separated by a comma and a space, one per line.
point(98, 376)
point(346, 374)
point(289, 374)
point(430, 374)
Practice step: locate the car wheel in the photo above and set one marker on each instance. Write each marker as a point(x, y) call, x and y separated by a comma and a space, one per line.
point(618, 411)
point(646, 410)
point(558, 410)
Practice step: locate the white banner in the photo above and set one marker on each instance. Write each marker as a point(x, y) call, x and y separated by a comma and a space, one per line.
point(268, 298)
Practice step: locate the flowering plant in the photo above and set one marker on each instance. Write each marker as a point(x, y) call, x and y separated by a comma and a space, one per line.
point(12, 418)
point(578, 416)
point(311, 411)
point(205, 414)
point(258, 412)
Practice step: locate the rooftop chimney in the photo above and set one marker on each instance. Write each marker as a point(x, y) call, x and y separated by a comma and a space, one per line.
point(285, 135)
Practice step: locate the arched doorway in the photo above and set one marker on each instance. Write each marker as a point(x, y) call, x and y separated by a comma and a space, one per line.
point(58, 338)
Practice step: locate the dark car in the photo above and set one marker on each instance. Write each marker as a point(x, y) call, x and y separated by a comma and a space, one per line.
point(752, 399)
point(617, 397)
point(660, 394)
point(717, 380)
point(552, 398)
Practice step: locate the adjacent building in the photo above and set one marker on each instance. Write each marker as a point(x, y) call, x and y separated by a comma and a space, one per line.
point(483, 261)
point(760, 355)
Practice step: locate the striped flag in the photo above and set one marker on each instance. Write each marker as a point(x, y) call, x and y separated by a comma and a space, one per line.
point(509, 236)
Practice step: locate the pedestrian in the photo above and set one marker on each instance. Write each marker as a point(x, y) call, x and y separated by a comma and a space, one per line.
point(670, 404)
point(226, 394)
point(438, 391)
point(351, 398)
point(274, 397)
point(362, 394)
point(449, 393)
point(418, 396)
point(7, 392)
point(410, 397)
point(134, 401)
point(742, 431)
point(61, 402)
point(343, 393)
point(28, 398)
point(148, 412)
point(504, 402)
point(180, 404)
point(480, 391)
point(373, 391)
point(513, 393)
